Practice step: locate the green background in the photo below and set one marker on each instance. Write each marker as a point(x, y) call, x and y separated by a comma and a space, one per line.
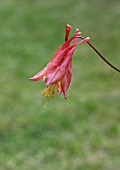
point(82, 132)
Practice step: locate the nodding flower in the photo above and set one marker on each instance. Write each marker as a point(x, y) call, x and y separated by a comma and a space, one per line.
point(58, 72)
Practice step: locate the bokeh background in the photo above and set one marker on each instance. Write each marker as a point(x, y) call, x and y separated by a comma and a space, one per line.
point(82, 132)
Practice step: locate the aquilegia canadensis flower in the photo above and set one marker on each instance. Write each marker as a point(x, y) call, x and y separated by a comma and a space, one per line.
point(57, 73)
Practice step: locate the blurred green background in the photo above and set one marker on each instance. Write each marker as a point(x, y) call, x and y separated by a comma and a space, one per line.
point(82, 132)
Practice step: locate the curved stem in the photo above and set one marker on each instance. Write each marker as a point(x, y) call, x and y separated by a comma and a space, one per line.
point(100, 55)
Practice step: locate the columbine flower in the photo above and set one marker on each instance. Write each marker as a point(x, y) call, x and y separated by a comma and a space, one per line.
point(58, 72)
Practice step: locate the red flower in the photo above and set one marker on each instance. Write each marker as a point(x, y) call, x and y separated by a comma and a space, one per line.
point(58, 72)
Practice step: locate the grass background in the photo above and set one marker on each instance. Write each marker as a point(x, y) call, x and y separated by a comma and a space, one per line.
point(82, 132)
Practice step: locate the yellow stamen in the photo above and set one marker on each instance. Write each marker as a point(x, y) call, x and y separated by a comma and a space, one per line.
point(48, 91)
point(44, 77)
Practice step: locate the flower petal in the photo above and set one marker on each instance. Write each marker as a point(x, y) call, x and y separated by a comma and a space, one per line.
point(66, 81)
point(54, 75)
point(39, 75)
point(56, 72)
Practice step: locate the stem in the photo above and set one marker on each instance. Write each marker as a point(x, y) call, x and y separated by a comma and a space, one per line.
point(100, 55)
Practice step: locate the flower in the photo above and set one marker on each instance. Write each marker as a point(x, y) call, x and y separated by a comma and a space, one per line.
point(57, 72)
